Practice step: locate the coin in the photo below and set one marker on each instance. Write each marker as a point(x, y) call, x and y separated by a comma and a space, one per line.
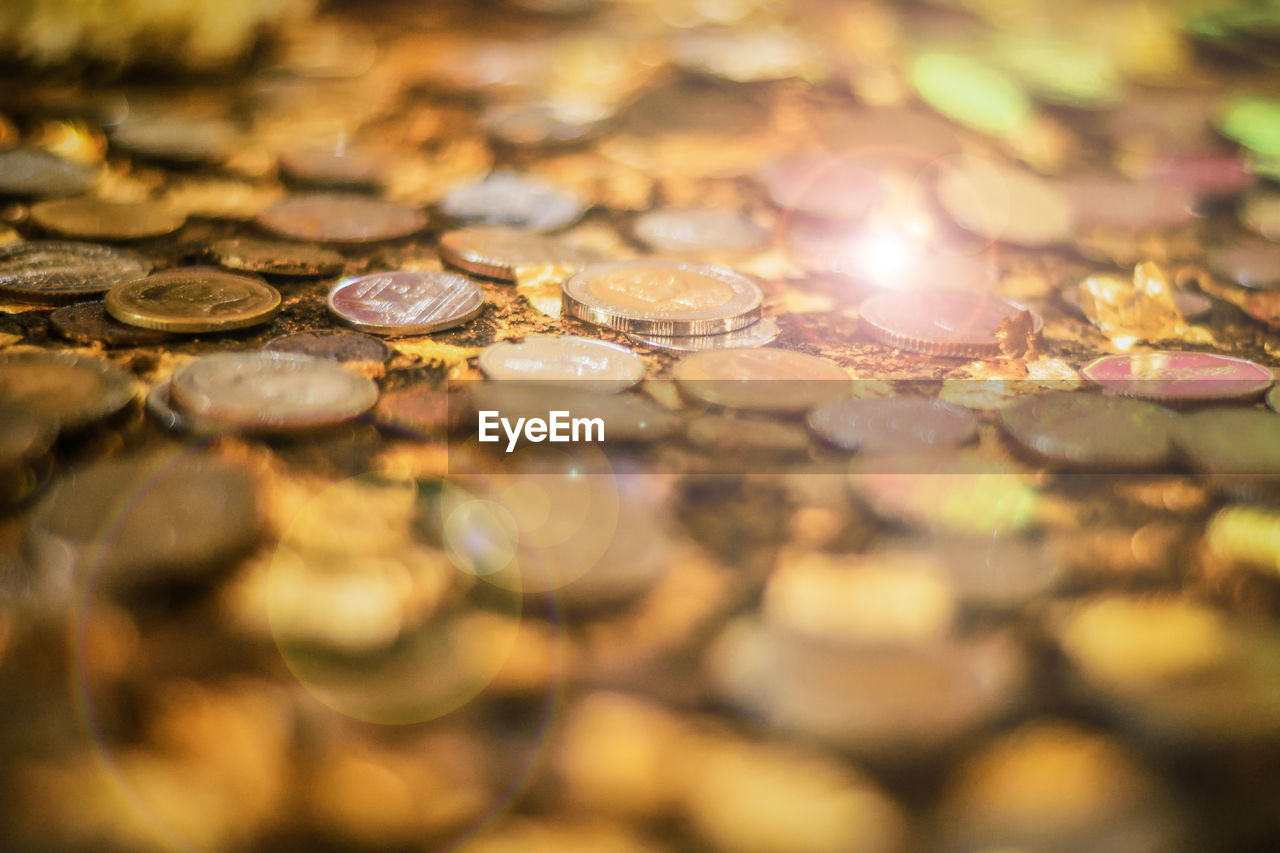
point(766, 380)
point(1273, 398)
point(193, 300)
point(946, 323)
point(420, 411)
point(822, 186)
point(1102, 201)
point(663, 298)
point(1251, 263)
point(1231, 441)
point(1260, 213)
point(753, 436)
point(36, 173)
point(332, 167)
point(24, 435)
point(758, 334)
point(1090, 431)
point(405, 303)
point(53, 272)
point(1002, 203)
point(175, 139)
point(271, 257)
point(895, 423)
point(332, 345)
point(604, 366)
point(499, 252)
point(675, 230)
point(967, 90)
point(508, 198)
point(270, 391)
point(547, 124)
point(89, 323)
point(70, 390)
point(1179, 377)
point(159, 405)
point(337, 218)
point(94, 219)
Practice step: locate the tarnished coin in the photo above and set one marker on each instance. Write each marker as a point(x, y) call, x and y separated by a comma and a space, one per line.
point(826, 187)
point(1180, 377)
point(95, 219)
point(72, 391)
point(947, 323)
point(89, 323)
point(332, 345)
point(758, 334)
point(270, 391)
point(1231, 441)
point(405, 303)
point(1253, 263)
point(892, 424)
point(765, 380)
point(193, 300)
point(24, 435)
point(174, 139)
point(53, 272)
point(332, 167)
point(1091, 431)
point(1002, 203)
point(663, 298)
point(564, 358)
point(338, 218)
point(499, 252)
point(36, 173)
point(281, 258)
point(697, 230)
point(508, 198)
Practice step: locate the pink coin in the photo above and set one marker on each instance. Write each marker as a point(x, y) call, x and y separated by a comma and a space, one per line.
point(405, 303)
point(1191, 377)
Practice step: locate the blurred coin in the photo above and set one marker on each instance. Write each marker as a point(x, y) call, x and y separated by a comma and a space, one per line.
point(405, 303)
point(733, 437)
point(336, 218)
point(193, 300)
point(1090, 431)
point(601, 365)
point(499, 252)
point(547, 124)
point(896, 423)
point(1064, 71)
point(675, 230)
point(89, 323)
point(998, 202)
point(1231, 441)
point(159, 405)
point(1260, 213)
point(745, 55)
point(72, 391)
point(1251, 263)
point(422, 412)
point(176, 139)
point(766, 380)
point(1253, 122)
point(332, 345)
point(270, 257)
point(36, 173)
point(966, 90)
point(663, 298)
point(333, 167)
point(270, 391)
point(1273, 398)
point(823, 186)
point(1179, 377)
point(628, 418)
point(54, 272)
point(1131, 206)
point(24, 435)
point(94, 219)
point(758, 334)
point(508, 198)
point(946, 323)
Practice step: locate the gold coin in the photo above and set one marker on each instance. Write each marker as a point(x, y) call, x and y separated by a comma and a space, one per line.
point(193, 300)
point(95, 219)
point(766, 380)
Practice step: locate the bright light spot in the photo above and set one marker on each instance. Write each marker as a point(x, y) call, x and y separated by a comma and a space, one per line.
point(886, 257)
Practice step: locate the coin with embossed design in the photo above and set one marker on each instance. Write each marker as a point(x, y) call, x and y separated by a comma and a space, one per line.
point(338, 218)
point(193, 300)
point(53, 272)
point(405, 303)
point(500, 252)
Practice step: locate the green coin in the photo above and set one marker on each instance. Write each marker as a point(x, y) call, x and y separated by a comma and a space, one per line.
point(1254, 122)
point(970, 92)
point(1060, 71)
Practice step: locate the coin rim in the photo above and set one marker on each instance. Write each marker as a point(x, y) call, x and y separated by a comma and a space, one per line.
point(67, 297)
point(1174, 399)
point(742, 310)
point(488, 354)
point(947, 349)
point(123, 313)
point(690, 343)
point(405, 330)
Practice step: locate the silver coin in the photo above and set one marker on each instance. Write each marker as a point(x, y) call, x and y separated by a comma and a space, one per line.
point(405, 303)
point(568, 358)
point(507, 198)
point(758, 334)
point(269, 391)
point(55, 271)
point(674, 231)
point(36, 173)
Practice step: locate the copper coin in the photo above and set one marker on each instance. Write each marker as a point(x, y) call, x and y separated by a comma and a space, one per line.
point(997, 202)
point(89, 323)
point(1252, 263)
point(36, 173)
point(94, 219)
point(511, 199)
point(53, 272)
point(499, 252)
point(193, 300)
point(1180, 377)
point(766, 380)
point(405, 303)
point(332, 167)
point(891, 424)
point(758, 334)
point(72, 391)
point(945, 323)
point(178, 140)
point(1090, 431)
point(695, 230)
point(337, 218)
point(337, 345)
point(271, 257)
point(599, 365)
point(1131, 206)
point(823, 186)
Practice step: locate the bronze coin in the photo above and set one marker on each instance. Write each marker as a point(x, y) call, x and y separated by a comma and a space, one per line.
point(72, 391)
point(946, 323)
point(54, 272)
point(499, 252)
point(89, 323)
point(332, 167)
point(94, 219)
point(272, 257)
point(338, 218)
point(36, 173)
point(332, 345)
point(193, 300)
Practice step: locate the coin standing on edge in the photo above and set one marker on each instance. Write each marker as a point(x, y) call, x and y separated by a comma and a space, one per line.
point(1091, 431)
point(405, 303)
point(564, 358)
point(193, 300)
point(498, 253)
point(70, 390)
point(1180, 377)
point(765, 380)
point(947, 323)
point(891, 424)
point(666, 298)
point(339, 218)
point(95, 219)
point(52, 272)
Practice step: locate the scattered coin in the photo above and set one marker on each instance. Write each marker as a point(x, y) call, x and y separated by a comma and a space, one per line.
point(1231, 441)
point(53, 272)
point(89, 323)
point(758, 334)
point(1091, 431)
point(967, 90)
point(36, 173)
point(825, 187)
point(24, 435)
point(698, 230)
point(766, 380)
point(332, 345)
point(333, 167)
point(544, 125)
point(72, 391)
point(892, 424)
point(1180, 377)
point(499, 252)
point(603, 366)
point(1253, 264)
point(178, 140)
point(1260, 213)
point(1273, 398)
point(420, 411)
point(663, 298)
point(270, 391)
point(337, 218)
point(94, 219)
point(946, 323)
point(405, 303)
point(159, 405)
point(193, 300)
point(1131, 206)
point(270, 257)
point(997, 202)
point(508, 198)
